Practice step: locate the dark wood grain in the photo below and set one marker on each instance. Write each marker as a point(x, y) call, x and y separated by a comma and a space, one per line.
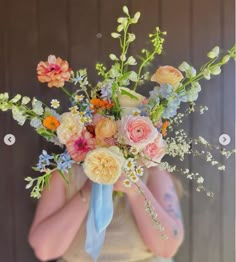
point(206, 227)
point(228, 127)
point(149, 20)
point(179, 37)
point(22, 58)
point(7, 241)
point(109, 11)
point(84, 35)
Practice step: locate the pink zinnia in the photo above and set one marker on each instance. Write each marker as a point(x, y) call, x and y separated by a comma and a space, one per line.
point(78, 147)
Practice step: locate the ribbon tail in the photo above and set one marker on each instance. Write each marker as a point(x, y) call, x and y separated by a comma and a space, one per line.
point(99, 217)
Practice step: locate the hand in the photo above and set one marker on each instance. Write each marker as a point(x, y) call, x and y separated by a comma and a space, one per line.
point(119, 186)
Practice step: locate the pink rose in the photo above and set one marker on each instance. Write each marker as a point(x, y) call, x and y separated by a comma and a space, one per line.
point(137, 130)
point(79, 146)
point(154, 151)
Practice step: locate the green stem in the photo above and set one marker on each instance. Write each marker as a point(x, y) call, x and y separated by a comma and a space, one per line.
point(66, 92)
point(149, 58)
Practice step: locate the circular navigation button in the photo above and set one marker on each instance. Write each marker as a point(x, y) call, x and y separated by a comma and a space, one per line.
point(9, 139)
point(224, 139)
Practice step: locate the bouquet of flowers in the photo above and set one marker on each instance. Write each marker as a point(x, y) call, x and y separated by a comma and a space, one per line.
point(110, 129)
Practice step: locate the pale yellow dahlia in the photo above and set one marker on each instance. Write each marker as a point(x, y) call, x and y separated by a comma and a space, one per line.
point(104, 165)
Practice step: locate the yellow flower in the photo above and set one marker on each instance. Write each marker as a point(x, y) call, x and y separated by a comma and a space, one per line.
point(167, 75)
point(127, 183)
point(104, 165)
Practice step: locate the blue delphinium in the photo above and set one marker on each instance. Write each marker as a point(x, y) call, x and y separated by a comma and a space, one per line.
point(106, 90)
point(172, 106)
point(64, 162)
point(44, 160)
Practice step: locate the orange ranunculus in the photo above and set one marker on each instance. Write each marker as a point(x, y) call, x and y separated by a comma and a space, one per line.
point(51, 123)
point(105, 128)
point(55, 71)
point(167, 75)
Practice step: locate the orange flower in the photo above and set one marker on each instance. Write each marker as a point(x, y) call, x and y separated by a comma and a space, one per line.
point(167, 75)
point(51, 122)
point(164, 127)
point(100, 104)
point(55, 71)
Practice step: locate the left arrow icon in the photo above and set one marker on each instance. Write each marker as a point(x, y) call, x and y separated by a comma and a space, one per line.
point(9, 139)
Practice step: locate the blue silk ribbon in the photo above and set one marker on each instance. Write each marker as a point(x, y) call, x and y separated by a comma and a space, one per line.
point(99, 217)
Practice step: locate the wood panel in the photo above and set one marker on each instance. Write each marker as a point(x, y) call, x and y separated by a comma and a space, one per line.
point(108, 11)
point(6, 203)
point(84, 35)
point(53, 39)
point(228, 127)
point(206, 226)
point(178, 49)
point(21, 62)
point(149, 20)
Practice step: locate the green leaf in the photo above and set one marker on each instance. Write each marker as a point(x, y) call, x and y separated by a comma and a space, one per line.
point(47, 180)
point(127, 93)
point(44, 132)
point(63, 176)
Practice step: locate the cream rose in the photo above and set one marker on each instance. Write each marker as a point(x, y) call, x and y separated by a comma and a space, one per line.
point(127, 101)
point(70, 125)
point(104, 165)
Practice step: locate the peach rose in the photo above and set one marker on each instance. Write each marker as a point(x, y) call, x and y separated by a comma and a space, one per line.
point(127, 101)
point(104, 165)
point(105, 128)
point(168, 75)
point(55, 71)
point(154, 151)
point(137, 131)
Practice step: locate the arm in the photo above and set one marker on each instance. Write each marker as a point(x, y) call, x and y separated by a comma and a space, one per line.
point(57, 222)
point(160, 191)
